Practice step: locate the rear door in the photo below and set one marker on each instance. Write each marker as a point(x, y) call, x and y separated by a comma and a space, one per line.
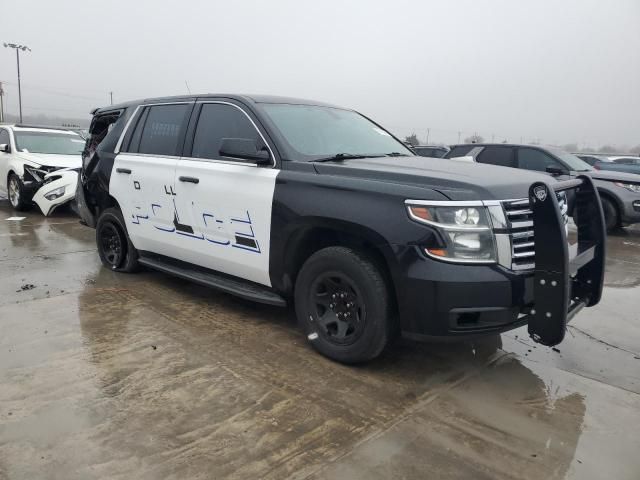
point(4, 159)
point(142, 178)
point(225, 204)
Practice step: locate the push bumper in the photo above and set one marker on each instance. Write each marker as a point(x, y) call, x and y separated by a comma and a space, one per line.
point(59, 179)
point(438, 299)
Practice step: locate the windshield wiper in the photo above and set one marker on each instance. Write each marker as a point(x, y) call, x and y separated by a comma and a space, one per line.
point(340, 156)
point(397, 154)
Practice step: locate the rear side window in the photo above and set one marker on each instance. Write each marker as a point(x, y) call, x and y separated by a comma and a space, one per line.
point(459, 151)
point(159, 130)
point(502, 156)
point(218, 121)
point(533, 159)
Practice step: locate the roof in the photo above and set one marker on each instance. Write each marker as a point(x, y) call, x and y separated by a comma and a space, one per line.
point(533, 145)
point(232, 96)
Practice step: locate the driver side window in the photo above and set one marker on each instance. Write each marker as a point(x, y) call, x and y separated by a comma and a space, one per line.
point(534, 159)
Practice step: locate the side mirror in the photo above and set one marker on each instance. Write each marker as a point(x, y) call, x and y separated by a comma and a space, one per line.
point(5, 148)
point(245, 149)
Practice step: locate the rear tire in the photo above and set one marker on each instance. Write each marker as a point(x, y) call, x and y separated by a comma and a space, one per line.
point(343, 306)
point(16, 193)
point(114, 246)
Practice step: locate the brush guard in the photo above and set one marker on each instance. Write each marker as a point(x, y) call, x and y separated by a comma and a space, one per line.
point(564, 284)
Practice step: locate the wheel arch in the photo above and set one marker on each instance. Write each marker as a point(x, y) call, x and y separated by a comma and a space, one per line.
point(315, 234)
point(617, 203)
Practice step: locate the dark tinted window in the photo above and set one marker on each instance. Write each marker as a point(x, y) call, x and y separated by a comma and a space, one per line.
point(218, 121)
point(502, 156)
point(430, 152)
point(626, 161)
point(533, 159)
point(4, 137)
point(459, 151)
point(161, 130)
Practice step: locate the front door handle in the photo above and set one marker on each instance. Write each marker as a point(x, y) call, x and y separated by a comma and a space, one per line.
point(189, 179)
point(123, 170)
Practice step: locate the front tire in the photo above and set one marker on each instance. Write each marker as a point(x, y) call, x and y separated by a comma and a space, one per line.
point(343, 306)
point(17, 193)
point(611, 215)
point(114, 246)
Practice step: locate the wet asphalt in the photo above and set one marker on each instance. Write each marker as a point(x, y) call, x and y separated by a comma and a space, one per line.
point(144, 376)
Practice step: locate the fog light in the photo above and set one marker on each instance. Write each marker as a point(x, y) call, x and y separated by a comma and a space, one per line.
point(636, 205)
point(53, 194)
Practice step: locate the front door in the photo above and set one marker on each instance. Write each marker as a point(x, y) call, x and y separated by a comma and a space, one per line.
point(142, 178)
point(224, 204)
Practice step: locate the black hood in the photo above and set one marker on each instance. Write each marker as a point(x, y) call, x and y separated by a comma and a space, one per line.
point(458, 180)
point(613, 176)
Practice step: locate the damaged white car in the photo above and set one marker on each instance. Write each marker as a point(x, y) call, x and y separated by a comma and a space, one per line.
point(39, 165)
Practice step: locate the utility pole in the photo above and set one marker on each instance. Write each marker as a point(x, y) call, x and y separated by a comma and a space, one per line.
point(17, 48)
point(1, 104)
point(459, 133)
point(428, 130)
point(111, 96)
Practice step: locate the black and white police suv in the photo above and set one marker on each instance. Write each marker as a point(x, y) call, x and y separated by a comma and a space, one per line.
point(283, 200)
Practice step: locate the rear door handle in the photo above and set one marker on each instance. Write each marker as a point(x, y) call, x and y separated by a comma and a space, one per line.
point(189, 179)
point(123, 170)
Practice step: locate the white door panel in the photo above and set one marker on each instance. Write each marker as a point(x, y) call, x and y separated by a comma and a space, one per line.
point(146, 197)
point(229, 214)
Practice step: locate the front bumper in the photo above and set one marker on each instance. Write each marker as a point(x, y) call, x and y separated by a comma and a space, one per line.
point(630, 207)
point(442, 299)
point(67, 178)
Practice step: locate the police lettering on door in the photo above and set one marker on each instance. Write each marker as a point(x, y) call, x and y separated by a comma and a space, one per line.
point(222, 228)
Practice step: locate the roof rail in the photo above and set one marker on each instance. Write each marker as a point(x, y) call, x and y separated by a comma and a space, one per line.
point(48, 127)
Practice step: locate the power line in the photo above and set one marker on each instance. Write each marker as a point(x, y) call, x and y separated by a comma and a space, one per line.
point(58, 92)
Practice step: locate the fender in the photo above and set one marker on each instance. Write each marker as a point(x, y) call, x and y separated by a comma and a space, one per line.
point(308, 205)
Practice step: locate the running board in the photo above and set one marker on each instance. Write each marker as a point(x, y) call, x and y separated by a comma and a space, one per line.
point(224, 283)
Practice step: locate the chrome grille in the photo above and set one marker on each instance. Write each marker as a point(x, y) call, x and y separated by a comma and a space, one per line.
point(520, 225)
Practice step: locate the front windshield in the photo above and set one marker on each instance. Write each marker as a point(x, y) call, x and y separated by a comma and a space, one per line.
point(49, 142)
point(319, 132)
point(574, 163)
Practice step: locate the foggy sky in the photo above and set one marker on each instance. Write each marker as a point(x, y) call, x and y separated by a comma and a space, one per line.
point(559, 71)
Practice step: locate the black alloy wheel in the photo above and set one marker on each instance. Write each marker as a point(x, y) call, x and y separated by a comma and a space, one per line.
point(338, 308)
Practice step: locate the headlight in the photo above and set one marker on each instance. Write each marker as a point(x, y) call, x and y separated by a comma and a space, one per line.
point(466, 231)
point(53, 194)
point(633, 187)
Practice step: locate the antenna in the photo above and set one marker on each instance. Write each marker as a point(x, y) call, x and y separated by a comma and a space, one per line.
point(188, 89)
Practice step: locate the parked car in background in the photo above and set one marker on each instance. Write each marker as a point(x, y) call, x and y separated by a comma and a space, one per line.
point(593, 159)
point(618, 163)
point(436, 151)
point(619, 191)
point(281, 200)
point(39, 165)
point(624, 164)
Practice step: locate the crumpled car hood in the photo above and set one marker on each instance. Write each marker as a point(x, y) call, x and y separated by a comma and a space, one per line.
point(53, 160)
